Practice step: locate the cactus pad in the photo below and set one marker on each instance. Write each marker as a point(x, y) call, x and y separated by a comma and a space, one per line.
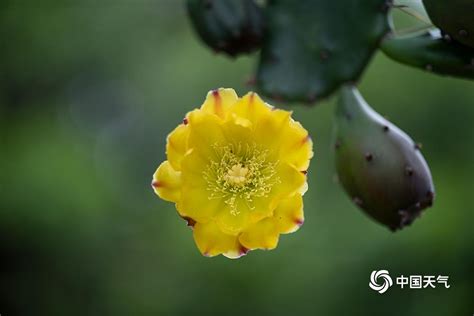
point(454, 17)
point(313, 46)
point(431, 52)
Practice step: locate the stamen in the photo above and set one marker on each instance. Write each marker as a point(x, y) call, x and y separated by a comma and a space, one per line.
point(240, 174)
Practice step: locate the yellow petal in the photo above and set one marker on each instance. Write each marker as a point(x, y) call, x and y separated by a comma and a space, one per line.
point(240, 120)
point(268, 129)
point(261, 207)
point(176, 145)
point(250, 107)
point(205, 133)
point(287, 138)
point(196, 201)
point(291, 181)
point(193, 169)
point(232, 221)
point(296, 146)
point(196, 205)
point(211, 241)
point(289, 214)
point(237, 134)
point(303, 189)
point(167, 182)
point(219, 101)
point(262, 235)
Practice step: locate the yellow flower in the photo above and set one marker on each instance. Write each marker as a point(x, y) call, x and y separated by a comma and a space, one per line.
point(236, 170)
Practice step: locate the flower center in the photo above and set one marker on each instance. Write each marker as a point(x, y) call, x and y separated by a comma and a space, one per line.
point(240, 173)
point(237, 175)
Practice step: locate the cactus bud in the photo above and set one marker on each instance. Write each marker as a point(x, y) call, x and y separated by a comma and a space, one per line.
point(396, 185)
point(230, 26)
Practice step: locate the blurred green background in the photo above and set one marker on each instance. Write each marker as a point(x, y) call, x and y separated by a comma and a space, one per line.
point(88, 92)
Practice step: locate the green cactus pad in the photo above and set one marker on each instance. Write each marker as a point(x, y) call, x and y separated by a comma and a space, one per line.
point(454, 17)
point(431, 52)
point(230, 26)
point(313, 46)
point(379, 166)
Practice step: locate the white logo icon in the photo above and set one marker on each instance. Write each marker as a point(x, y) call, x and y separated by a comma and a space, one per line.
point(384, 276)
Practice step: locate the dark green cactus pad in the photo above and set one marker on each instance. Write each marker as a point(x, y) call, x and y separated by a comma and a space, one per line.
point(454, 17)
point(230, 26)
point(379, 166)
point(431, 52)
point(313, 46)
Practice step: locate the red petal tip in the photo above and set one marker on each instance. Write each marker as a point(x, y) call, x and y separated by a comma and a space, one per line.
point(156, 184)
point(299, 222)
point(189, 221)
point(243, 251)
point(306, 139)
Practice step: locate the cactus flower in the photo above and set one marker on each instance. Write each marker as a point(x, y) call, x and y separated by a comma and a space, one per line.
point(236, 170)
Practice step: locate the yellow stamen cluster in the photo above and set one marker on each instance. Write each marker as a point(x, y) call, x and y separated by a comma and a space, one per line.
point(241, 171)
point(237, 175)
